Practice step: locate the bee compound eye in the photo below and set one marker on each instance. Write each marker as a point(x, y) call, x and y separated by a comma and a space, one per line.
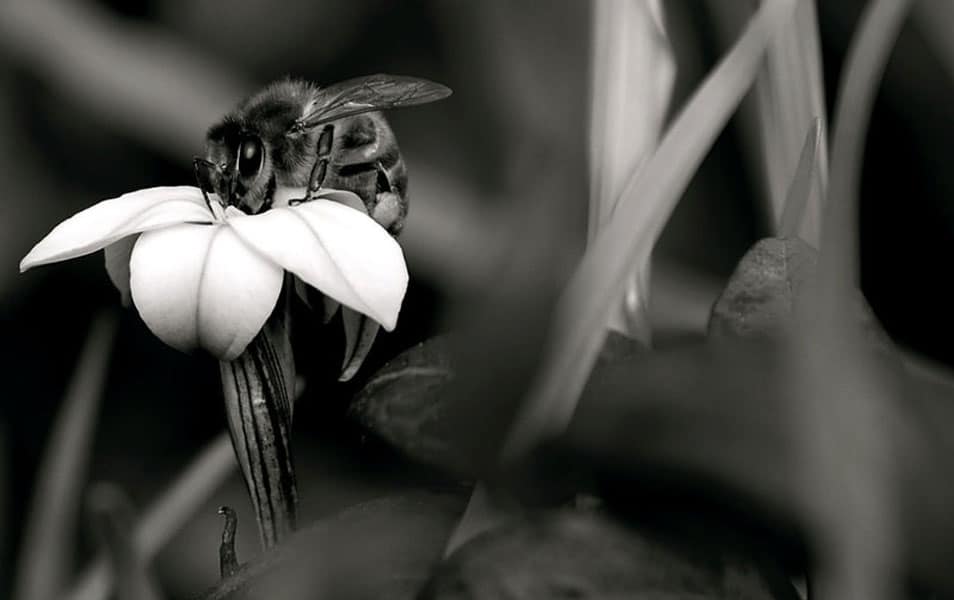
point(250, 157)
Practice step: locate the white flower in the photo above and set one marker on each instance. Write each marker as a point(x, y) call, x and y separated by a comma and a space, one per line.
point(204, 277)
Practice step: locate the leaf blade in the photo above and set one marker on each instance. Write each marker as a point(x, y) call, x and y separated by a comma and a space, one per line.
point(51, 523)
point(600, 277)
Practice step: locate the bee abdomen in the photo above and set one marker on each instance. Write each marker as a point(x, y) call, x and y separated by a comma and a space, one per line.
point(366, 160)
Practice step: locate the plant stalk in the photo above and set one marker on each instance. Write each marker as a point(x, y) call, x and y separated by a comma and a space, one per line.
point(258, 387)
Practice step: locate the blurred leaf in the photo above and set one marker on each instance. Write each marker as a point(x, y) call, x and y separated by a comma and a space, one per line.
point(787, 97)
point(620, 348)
point(585, 555)
point(933, 18)
point(487, 509)
point(385, 548)
point(132, 77)
point(632, 72)
point(804, 185)
point(166, 514)
point(864, 67)
point(405, 399)
point(408, 401)
point(646, 204)
point(846, 417)
point(524, 51)
point(45, 558)
point(791, 98)
point(112, 518)
point(700, 439)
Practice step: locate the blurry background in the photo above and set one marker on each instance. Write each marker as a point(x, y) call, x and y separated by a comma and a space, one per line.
point(97, 99)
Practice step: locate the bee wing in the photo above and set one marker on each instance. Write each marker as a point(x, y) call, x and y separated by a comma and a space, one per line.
point(366, 94)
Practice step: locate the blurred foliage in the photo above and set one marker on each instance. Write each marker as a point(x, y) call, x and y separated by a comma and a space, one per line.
point(585, 555)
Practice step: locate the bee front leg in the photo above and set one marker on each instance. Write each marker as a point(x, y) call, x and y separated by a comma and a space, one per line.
point(390, 206)
point(320, 169)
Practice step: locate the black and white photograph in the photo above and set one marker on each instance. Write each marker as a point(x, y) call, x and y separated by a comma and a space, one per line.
point(477, 300)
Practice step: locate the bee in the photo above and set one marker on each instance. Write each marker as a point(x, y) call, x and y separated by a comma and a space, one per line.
point(296, 134)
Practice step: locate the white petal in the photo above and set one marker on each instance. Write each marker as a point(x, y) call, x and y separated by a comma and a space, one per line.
point(337, 250)
point(117, 265)
point(360, 332)
point(281, 197)
point(285, 195)
point(344, 197)
point(200, 286)
point(111, 220)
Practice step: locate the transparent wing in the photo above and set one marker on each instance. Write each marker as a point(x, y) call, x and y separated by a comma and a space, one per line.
point(366, 94)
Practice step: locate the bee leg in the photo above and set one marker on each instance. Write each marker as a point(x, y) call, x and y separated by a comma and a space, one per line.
point(320, 169)
point(390, 206)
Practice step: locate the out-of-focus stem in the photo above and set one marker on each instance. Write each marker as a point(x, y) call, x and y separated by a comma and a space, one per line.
point(849, 463)
point(50, 529)
point(258, 387)
point(112, 517)
point(804, 182)
point(786, 103)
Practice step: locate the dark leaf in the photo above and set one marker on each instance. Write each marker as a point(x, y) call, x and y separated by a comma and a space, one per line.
point(584, 555)
point(703, 436)
point(406, 402)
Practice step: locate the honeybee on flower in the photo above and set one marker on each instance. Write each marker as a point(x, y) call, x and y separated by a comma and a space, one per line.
point(297, 179)
point(204, 265)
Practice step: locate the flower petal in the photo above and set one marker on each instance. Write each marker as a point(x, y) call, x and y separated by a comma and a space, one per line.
point(307, 293)
point(200, 286)
point(284, 196)
point(344, 197)
point(360, 332)
point(337, 250)
point(117, 257)
point(111, 220)
point(314, 300)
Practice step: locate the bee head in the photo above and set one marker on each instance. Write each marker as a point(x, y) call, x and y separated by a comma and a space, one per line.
point(235, 168)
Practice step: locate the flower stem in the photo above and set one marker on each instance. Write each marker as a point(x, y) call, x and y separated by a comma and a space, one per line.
point(228, 562)
point(258, 387)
